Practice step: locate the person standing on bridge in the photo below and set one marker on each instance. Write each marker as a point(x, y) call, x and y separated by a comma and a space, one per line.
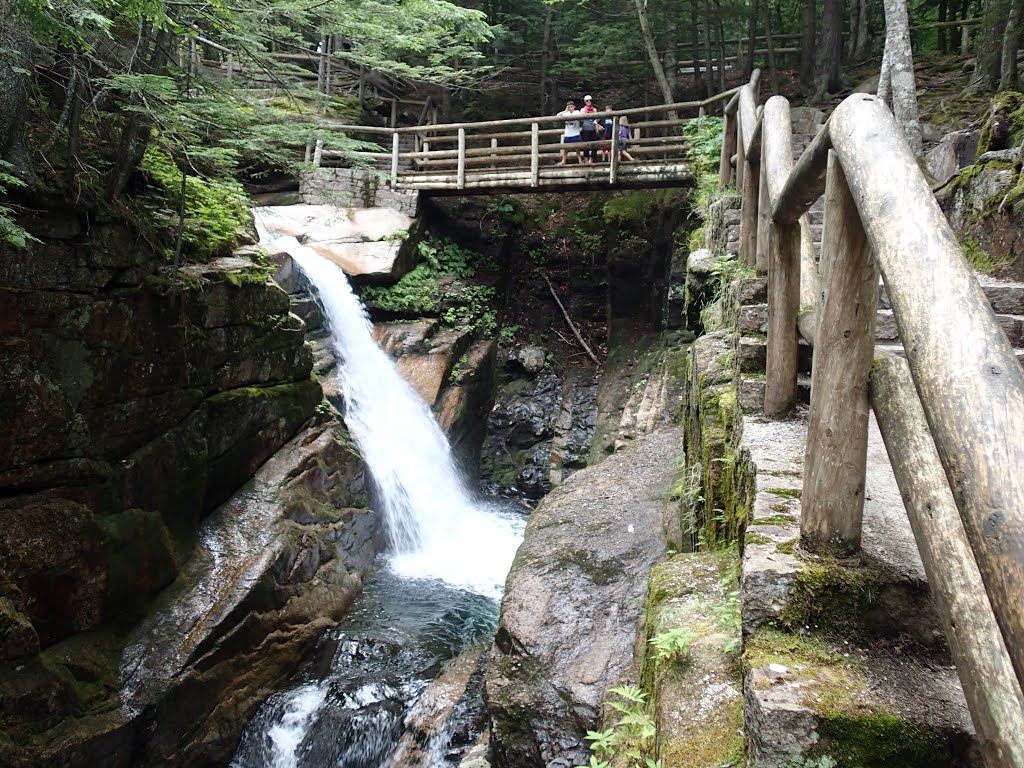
point(589, 129)
point(607, 125)
point(624, 135)
point(571, 134)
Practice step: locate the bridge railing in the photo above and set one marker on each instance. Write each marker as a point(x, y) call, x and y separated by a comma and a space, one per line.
point(470, 154)
point(951, 414)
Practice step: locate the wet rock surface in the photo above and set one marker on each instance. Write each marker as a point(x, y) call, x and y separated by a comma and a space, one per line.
point(573, 603)
point(139, 401)
point(275, 566)
point(539, 431)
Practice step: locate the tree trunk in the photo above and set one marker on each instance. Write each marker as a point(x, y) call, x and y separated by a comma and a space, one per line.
point(721, 46)
point(862, 41)
point(1011, 42)
point(854, 11)
point(15, 82)
point(671, 65)
point(899, 63)
point(807, 46)
point(772, 71)
point(545, 59)
point(707, 49)
point(829, 52)
point(990, 46)
point(698, 82)
point(943, 14)
point(748, 59)
point(652, 53)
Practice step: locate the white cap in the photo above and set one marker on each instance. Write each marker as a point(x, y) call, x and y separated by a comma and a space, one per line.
point(587, 98)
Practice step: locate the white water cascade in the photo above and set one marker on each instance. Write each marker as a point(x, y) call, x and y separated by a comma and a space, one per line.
point(436, 529)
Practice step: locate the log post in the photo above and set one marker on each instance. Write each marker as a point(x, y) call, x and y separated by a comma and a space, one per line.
point(231, 66)
point(783, 304)
point(534, 154)
point(739, 152)
point(749, 193)
point(764, 218)
point(494, 145)
point(394, 160)
point(835, 459)
point(968, 377)
point(394, 113)
point(613, 160)
point(462, 159)
point(784, 255)
point(810, 284)
point(954, 581)
point(728, 148)
point(318, 153)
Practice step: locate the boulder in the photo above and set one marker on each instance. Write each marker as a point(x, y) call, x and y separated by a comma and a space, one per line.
point(370, 244)
point(530, 359)
point(573, 601)
point(954, 151)
point(277, 564)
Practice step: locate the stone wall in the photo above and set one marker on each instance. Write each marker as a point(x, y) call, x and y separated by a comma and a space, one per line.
point(135, 404)
point(356, 188)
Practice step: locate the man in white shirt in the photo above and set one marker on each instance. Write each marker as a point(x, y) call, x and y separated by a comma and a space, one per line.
point(571, 134)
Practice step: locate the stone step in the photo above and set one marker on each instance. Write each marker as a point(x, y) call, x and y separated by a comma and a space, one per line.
point(1005, 296)
point(750, 393)
point(896, 348)
point(885, 325)
point(833, 648)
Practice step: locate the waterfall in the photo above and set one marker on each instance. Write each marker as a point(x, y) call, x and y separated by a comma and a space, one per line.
point(436, 529)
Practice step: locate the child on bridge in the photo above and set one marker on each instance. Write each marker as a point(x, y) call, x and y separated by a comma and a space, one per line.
point(571, 134)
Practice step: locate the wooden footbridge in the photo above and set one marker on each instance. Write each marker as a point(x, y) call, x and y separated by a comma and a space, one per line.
point(524, 154)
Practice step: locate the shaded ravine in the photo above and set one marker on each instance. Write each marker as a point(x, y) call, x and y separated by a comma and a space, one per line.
point(437, 589)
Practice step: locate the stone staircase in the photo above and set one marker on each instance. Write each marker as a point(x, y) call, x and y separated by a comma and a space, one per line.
point(842, 658)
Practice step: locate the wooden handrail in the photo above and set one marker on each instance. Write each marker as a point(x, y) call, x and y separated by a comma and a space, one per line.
point(983, 665)
point(971, 385)
point(952, 416)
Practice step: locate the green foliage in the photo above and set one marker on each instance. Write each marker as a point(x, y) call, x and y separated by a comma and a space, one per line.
point(10, 231)
point(704, 135)
point(634, 208)
point(438, 285)
point(507, 335)
point(457, 370)
point(632, 739)
point(672, 645)
point(727, 615)
point(216, 210)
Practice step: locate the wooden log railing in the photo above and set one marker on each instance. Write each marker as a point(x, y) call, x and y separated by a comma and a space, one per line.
point(457, 156)
point(951, 415)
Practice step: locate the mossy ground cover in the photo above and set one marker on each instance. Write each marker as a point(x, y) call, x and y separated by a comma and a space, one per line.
point(689, 664)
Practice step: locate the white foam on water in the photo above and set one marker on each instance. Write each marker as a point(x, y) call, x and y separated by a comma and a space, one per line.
point(436, 529)
point(287, 734)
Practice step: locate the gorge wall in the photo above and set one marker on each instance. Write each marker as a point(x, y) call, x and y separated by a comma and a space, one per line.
point(137, 401)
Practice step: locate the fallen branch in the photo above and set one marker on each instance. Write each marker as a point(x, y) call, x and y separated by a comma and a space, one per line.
point(570, 323)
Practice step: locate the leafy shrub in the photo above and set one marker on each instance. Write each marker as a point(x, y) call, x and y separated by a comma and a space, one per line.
point(216, 210)
point(437, 286)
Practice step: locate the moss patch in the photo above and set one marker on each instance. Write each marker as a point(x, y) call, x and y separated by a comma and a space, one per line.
point(833, 596)
point(718, 743)
point(878, 740)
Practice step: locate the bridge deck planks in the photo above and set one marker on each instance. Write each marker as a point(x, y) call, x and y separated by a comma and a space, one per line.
point(550, 178)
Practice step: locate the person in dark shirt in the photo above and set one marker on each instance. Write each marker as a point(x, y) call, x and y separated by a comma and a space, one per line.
point(589, 132)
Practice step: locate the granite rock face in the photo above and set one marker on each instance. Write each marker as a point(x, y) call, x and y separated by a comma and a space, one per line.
point(137, 402)
point(573, 603)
